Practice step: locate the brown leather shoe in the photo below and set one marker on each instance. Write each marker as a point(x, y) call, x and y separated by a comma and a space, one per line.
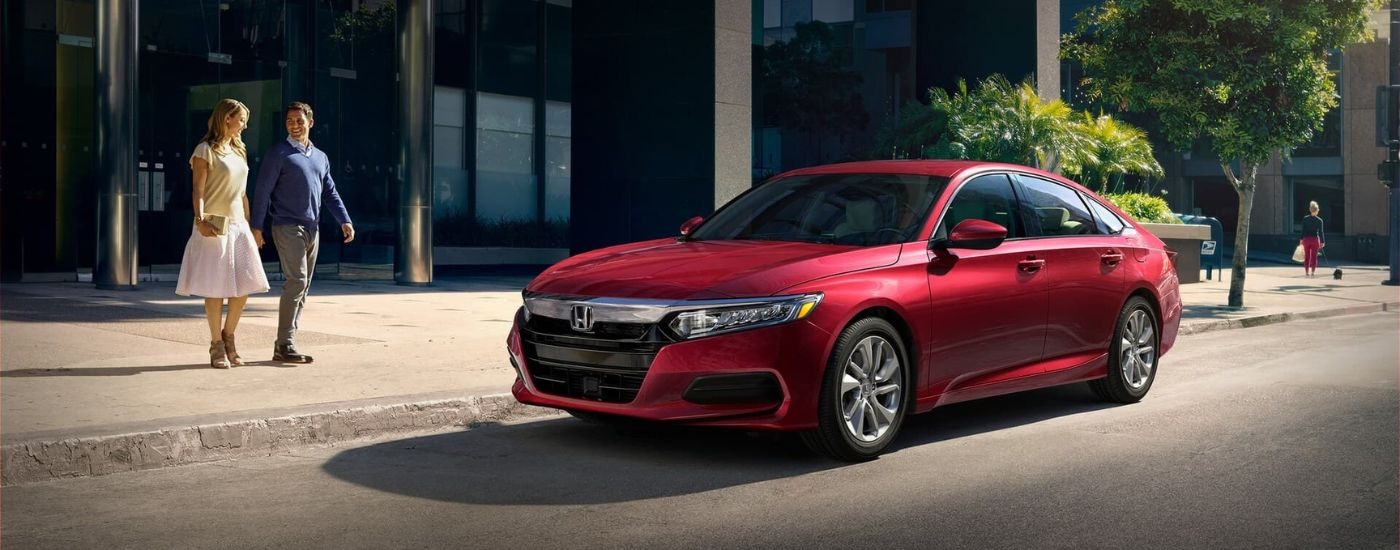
point(287, 353)
point(233, 357)
point(218, 358)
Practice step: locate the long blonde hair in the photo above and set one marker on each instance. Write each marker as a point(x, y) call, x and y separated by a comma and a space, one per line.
point(222, 110)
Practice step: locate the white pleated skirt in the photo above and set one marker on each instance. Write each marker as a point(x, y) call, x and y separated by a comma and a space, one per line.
point(226, 266)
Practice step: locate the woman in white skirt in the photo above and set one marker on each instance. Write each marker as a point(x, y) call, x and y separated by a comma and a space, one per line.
point(221, 260)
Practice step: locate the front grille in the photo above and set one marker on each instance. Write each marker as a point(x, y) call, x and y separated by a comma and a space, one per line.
point(607, 364)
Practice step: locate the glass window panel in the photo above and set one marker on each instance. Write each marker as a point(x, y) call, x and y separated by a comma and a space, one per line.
point(558, 154)
point(558, 160)
point(558, 119)
point(447, 146)
point(772, 13)
point(796, 11)
point(1330, 195)
point(1059, 210)
point(833, 11)
point(559, 54)
point(505, 113)
point(449, 106)
point(509, 46)
point(506, 188)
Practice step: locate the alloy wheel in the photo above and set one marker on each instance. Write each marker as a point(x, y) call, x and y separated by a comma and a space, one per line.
point(1138, 349)
point(870, 389)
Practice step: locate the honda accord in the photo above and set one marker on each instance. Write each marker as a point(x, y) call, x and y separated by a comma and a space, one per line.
point(835, 301)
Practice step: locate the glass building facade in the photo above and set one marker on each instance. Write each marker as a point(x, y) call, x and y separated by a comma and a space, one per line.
point(501, 119)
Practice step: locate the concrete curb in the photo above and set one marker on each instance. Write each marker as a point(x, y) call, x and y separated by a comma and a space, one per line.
point(43, 460)
point(50, 456)
point(1261, 320)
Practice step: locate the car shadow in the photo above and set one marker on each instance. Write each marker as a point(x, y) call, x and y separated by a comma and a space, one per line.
point(568, 462)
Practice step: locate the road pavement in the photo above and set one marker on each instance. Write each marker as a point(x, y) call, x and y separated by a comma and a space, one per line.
point(1282, 436)
point(95, 382)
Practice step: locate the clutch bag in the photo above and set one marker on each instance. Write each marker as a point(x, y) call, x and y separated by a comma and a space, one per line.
point(220, 223)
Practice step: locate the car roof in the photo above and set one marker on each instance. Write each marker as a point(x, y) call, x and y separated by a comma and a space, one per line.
point(944, 168)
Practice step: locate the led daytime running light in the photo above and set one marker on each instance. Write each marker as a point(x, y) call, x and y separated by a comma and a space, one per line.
point(702, 322)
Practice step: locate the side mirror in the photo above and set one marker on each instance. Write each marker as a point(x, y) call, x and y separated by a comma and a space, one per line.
point(689, 226)
point(973, 234)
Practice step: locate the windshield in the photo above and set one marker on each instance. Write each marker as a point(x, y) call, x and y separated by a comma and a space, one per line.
point(854, 209)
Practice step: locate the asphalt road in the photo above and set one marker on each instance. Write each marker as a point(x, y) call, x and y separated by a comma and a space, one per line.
point(1282, 436)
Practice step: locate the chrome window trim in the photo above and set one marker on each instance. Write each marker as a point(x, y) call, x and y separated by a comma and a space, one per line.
point(631, 310)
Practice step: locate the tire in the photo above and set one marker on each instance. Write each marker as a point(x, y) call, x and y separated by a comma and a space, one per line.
point(1133, 352)
point(877, 401)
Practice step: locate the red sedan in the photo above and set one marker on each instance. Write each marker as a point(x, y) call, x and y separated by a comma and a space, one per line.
point(839, 299)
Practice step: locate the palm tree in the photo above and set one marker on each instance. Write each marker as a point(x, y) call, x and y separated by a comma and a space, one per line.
point(1009, 123)
point(1113, 149)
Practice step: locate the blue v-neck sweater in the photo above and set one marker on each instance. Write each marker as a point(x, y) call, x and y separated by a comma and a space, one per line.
point(292, 185)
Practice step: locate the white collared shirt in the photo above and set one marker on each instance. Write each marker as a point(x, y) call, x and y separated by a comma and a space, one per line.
point(304, 150)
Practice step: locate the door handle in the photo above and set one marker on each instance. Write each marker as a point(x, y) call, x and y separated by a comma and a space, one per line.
point(1111, 258)
point(1030, 265)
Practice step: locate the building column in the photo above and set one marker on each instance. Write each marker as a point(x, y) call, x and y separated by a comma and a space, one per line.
point(1047, 49)
point(116, 144)
point(413, 263)
point(733, 99)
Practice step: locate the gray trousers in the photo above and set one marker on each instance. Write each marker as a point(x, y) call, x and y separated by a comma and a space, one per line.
point(296, 248)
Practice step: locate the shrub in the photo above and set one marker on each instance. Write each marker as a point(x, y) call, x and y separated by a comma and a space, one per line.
point(1143, 207)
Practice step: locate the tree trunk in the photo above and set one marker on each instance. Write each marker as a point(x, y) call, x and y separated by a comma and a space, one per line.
point(1244, 186)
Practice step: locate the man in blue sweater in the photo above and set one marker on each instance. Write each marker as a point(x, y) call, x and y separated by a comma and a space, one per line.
point(293, 182)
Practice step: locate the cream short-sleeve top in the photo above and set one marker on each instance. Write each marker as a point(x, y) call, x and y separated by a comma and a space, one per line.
point(226, 183)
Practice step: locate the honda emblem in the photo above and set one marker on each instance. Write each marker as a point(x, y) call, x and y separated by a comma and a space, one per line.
point(581, 318)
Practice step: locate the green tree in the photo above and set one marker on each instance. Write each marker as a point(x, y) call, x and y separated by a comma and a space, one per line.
point(808, 87)
point(1249, 75)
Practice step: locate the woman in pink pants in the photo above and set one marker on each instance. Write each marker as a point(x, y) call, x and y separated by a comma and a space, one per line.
point(1312, 240)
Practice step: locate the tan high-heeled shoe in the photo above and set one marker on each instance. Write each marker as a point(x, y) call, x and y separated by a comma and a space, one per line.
point(218, 358)
point(233, 357)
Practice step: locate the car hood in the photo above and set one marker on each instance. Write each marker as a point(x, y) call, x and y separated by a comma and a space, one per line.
point(669, 270)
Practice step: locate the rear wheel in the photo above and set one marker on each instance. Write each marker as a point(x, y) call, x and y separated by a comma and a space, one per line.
point(863, 400)
point(1132, 354)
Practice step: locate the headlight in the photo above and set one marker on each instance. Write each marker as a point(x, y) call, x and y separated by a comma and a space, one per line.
point(719, 319)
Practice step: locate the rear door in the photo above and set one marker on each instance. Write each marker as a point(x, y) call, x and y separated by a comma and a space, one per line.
point(1084, 267)
point(989, 306)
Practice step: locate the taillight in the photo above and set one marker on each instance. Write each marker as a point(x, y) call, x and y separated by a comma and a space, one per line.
point(1171, 254)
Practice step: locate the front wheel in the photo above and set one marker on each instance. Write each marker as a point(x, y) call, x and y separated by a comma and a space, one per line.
point(863, 399)
point(1132, 355)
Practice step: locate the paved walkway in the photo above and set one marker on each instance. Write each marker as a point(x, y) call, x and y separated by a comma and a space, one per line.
point(95, 381)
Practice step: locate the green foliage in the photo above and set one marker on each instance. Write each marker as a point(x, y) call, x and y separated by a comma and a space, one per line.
point(365, 21)
point(1251, 75)
point(1143, 207)
point(1002, 122)
point(1111, 150)
point(913, 132)
point(457, 229)
point(807, 86)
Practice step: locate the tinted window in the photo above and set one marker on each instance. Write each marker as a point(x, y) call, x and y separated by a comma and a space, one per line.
point(1059, 210)
point(858, 209)
point(1108, 221)
point(988, 198)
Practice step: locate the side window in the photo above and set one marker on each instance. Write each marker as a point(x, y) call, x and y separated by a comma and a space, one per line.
point(988, 197)
point(1108, 221)
point(1059, 210)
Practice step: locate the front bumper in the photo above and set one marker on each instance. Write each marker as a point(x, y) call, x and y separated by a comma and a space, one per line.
point(765, 378)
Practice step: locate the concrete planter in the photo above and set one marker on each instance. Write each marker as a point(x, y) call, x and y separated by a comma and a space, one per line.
point(1186, 240)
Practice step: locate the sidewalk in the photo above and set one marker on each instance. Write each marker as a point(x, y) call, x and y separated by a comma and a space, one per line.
point(95, 382)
